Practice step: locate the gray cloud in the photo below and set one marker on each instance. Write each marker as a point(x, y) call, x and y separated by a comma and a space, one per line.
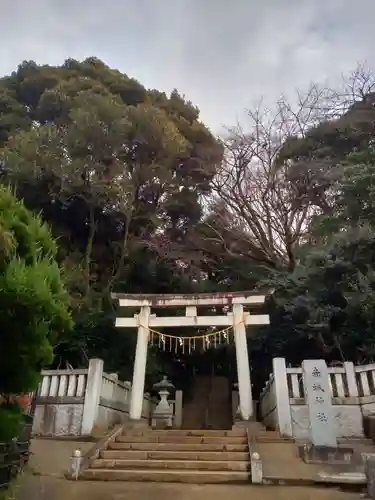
point(222, 54)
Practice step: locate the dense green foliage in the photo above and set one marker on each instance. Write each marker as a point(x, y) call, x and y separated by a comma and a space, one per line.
point(10, 421)
point(143, 199)
point(33, 302)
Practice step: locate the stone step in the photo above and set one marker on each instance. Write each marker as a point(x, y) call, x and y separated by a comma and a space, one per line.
point(364, 455)
point(346, 442)
point(188, 433)
point(254, 426)
point(273, 439)
point(216, 465)
point(263, 432)
point(362, 439)
point(174, 455)
point(355, 442)
point(170, 476)
point(146, 446)
point(342, 478)
point(170, 438)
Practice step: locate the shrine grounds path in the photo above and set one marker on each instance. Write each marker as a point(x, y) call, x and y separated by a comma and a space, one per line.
point(50, 488)
point(44, 481)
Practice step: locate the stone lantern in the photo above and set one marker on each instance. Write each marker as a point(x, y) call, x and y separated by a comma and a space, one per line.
point(162, 416)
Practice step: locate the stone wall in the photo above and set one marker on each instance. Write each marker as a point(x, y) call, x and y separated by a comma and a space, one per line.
point(58, 419)
point(348, 419)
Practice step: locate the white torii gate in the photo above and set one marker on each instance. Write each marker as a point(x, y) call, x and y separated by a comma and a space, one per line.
point(238, 318)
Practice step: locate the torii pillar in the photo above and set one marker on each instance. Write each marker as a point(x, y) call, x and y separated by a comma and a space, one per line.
point(243, 368)
point(139, 369)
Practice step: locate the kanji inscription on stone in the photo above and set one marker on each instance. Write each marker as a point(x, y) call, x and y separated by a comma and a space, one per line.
point(315, 372)
point(317, 388)
point(322, 417)
point(318, 398)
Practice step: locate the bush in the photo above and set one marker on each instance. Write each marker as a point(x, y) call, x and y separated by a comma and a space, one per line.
point(11, 421)
point(34, 305)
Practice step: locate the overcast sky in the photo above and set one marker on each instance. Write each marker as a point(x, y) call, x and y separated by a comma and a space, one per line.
point(223, 54)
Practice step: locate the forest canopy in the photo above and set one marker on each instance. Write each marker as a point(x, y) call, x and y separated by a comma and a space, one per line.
point(141, 197)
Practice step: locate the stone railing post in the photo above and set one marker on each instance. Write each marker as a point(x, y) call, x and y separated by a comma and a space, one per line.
point(351, 379)
point(146, 408)
point(284, 418)
point(114, 377)
point(92, 396)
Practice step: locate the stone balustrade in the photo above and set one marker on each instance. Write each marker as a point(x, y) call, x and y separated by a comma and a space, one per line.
point(82, 402)
point(283, 405)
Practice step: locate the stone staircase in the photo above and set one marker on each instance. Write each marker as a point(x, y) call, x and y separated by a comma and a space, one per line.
point(195, 456)
point(217, 456)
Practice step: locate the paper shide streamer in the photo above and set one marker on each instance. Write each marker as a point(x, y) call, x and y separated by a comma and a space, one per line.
point(189, 343)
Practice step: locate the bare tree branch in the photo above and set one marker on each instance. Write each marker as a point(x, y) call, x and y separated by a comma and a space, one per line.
point(256, 204)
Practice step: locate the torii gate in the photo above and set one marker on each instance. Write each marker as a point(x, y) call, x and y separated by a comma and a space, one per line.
point(237, 317)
